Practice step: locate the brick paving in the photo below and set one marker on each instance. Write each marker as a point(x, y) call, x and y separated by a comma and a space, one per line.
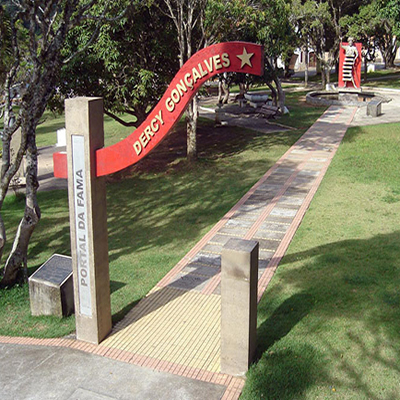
point(176, 327)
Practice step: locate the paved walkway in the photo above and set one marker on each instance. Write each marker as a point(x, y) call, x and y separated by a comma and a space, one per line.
point(176, 327)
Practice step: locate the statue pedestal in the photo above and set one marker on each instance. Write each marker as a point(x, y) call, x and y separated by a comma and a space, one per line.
point(349, 94)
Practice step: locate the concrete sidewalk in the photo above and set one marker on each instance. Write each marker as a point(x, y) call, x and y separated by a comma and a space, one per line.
point(41, 373)
point(390, 110)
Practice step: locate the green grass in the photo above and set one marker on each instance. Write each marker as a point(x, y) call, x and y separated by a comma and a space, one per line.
point(153, 220)
point(391, 82)
point(374, 79)
point(329, 323)
point(154, 217)
point(388, 73)
point(301, 115)
point(46, 132)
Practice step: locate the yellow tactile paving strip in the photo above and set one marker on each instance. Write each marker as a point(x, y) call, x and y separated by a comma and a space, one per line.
point(180, 327)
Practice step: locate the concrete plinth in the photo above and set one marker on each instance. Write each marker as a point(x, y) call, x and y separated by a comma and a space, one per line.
point(374, 108)
point(88, 219)
point(349, 95)
point(239, 272)
point(51, 288)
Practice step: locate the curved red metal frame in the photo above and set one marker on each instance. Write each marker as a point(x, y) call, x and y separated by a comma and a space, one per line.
point(216, 59)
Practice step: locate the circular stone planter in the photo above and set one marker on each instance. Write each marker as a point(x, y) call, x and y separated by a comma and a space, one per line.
point(328, 98)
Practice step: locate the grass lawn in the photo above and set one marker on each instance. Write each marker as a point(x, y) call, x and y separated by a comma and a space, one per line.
point(382, 77)
point(390, 82)
point(46, 132)
point(329, 323)
point(156, 212)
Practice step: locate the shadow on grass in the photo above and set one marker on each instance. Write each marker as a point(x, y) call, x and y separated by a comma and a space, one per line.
point(116, 285)
point(284, 374)
point(282, 321)
point(123, 311)
point(349, 292)
point(288, 372)
point(158, 216)
point(212, 144)
point(152, 210)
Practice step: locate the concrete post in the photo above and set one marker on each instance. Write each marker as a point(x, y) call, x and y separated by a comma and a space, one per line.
point(239, 279)
point(88, 219)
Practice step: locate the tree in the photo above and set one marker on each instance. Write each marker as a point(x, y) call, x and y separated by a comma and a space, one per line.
point(261, 21)
point(129, 65)
point(315, 27)
point(276, 33)
point(364, 26)
point(391, 11)
point(376, 25)
point(188, 18)
point(386, 38)
point(319, 22)
point(36, 67)
point(5, 44)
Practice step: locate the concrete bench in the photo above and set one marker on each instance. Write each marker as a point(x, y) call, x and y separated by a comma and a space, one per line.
point(269, 111)
point(374, 108)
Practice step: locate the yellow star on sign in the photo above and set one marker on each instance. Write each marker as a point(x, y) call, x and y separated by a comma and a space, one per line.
point(245, 58)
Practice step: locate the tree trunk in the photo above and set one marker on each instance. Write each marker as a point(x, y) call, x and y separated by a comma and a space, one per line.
point(3, 238)
point(387, 56)
point(220, 91)
point(16, 265)
point(191, 129)
point(328, 77)
point(391, 57)
point(365, 68)
point(242, 89)
point(323, 76)
point(306, 70)
point(225, 88)
point(281, 95)
point(223, 91)
point(273, 94)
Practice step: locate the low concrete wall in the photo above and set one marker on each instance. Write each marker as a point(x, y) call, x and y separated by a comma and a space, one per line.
point(319, 98)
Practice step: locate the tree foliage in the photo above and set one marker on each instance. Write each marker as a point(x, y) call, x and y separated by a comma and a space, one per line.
point(258, 21)
point(129, 65)
point(376, 25)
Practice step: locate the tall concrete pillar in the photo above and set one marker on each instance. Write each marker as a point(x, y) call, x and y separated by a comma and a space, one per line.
point(239, 279)
point(88, 219)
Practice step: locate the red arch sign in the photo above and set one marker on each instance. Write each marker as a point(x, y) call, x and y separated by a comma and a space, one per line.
point(219, 58)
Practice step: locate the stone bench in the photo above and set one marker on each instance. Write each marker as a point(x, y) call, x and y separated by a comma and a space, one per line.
point(269, 111)
point(374, 108)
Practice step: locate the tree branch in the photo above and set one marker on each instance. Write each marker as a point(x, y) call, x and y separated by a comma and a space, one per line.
point(84, 48)
point(119, 120)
